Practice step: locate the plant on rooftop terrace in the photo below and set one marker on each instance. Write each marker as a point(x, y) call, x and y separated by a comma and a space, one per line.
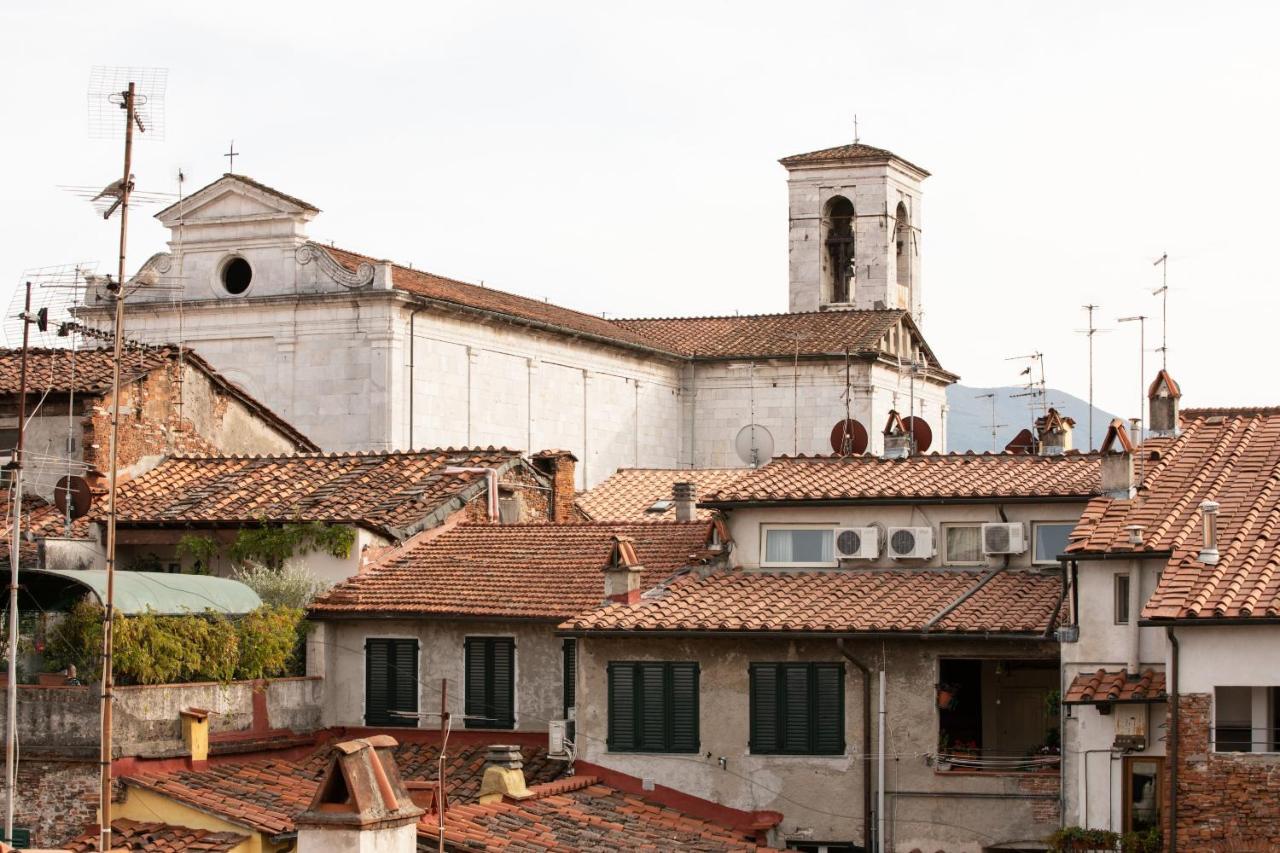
point(268, 641)
point(290, 586)
point(1072, 838)
point(272, 546)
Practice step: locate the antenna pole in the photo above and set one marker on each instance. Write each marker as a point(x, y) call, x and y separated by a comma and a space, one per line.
point(1090, 332)
point(444, 742)
point(15, 549)
point(108, 680)
point(1163, 263)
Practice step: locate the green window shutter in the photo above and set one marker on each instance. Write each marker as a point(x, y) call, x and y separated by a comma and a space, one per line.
point(490, 664)
point(622, 707)
point(828, 709)
point(796, 727)
point(391, 681)
point(764, 708)
point(569, 672)
point(21, 838)
point(654, 725)
point(683, 704)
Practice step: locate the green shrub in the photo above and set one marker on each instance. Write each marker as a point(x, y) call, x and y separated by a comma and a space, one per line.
point(291, 586)
point(76, 640)
point(268, 641)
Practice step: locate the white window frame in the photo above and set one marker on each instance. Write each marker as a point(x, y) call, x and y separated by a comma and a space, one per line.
point(764, 546)
point(946, 556)
point(1036, 525)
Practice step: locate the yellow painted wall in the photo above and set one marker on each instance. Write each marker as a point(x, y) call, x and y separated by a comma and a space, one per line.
point(146, 805)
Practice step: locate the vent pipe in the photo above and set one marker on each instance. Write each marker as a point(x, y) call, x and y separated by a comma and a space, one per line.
point(683, 495)
point(1209, 551)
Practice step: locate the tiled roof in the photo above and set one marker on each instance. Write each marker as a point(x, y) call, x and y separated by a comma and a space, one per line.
point(581, 814)
point(959, 476)
point(393, 493)
point(266, 794)
point(540, 571)
point(39, 519)
point(763, 335)
point(888, 601)
point(498, 301)
point(629, 493)
point(1104, 686)
point(89, 371)
point(1231, 458)
point(160, 838)
point(845, 153)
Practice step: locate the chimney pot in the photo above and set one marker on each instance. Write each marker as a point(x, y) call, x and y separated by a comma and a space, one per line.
point(685, 501)
point(1209, 552)
point(1162, 403)
point(1117, 462)
point(503, 775)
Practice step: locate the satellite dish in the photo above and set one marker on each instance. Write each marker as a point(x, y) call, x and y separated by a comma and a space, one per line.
point(921, 432)
point(849, 438)
point(754, 445)
point(73, 490)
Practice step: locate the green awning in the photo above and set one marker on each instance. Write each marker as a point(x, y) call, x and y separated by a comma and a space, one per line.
point(136, 592)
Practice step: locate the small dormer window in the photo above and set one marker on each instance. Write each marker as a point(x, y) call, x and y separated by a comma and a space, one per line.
point(236, 276)
point(660, 506)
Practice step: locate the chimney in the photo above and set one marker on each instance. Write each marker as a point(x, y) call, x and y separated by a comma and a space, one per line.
point(897, 440)
point(1054, 433)
point(560, 467)
point(503, 775)
point(361, 804)
point(1209, 551)
point(683, 494)
point(1117, 462)
point(622, 572)
point(1162, 401)
point(195, 735)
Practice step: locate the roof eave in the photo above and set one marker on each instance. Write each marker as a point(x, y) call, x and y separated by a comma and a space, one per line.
point(1038, 635)
point(888, 501)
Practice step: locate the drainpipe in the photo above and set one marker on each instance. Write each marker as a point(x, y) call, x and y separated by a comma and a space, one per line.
point(866, 740)
point(490, 482)
point(1173, 740)
point(880, 769)
point(412, 348)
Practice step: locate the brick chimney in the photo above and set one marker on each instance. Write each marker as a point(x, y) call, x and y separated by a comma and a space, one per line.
point(503, 775)
point(1053, 432)
point(560, 466)
point(1162, 400)
point(622, 572)
point(361, 804)
point(684, 496)
point(1117, 462)
point(897, 439)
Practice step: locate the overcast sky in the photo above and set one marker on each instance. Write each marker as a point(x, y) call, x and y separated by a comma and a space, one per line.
point(621, 158)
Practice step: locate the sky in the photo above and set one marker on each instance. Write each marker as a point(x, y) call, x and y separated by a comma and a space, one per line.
point(621, 158)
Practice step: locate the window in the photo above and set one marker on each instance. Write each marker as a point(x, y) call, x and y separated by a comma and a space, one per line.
point(1050, 540)
point(998, 715)
point(21, 838)
point(1246, 719)
point(962, 544)
point(660, 506)
point(1122, 599)
point(840, 264)
point(390, 682)
point(653, 707)
point(1141, 793)
point(236, 275)
point(797, 708)
point(798, 546)
point(490, 682)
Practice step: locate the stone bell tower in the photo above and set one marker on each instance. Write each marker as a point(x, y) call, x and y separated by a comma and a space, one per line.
point(855, 229)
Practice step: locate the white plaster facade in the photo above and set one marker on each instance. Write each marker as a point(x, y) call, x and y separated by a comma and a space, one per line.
point(356, 361)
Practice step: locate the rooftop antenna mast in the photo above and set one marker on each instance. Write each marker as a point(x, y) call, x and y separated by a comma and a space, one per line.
point(1163, 292)
point(1034, 389)
point(856, 138)
point(139, 93)
point(1141, 320)
point(994, 426)
point(1091, 331)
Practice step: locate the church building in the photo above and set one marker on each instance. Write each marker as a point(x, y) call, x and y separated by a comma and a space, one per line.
point(361, 353)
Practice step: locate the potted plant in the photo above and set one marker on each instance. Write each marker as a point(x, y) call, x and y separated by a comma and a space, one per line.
point(948, 696)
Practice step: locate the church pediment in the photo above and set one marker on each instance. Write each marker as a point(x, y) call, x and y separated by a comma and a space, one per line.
point(235, 198)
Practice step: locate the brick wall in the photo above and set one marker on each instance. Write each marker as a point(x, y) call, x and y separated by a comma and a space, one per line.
point(1228, 798)
point(1043, 810)
point(57, 800)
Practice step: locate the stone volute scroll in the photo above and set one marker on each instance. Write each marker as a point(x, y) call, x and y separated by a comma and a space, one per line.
point(361, 277)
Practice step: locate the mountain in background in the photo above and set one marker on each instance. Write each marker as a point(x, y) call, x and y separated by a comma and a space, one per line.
point(969, 418)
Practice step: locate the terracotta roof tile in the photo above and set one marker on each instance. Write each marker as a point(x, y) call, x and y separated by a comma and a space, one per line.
point(837, 602)
point(869, 478)
point(266, 794)
point(40, 519)
point(1228, 456)
point(392, 493)
point(852, 152)
point(160, 838)
point(541, 571)
point(630, 493)
point(1104, 686)
point(588, 816)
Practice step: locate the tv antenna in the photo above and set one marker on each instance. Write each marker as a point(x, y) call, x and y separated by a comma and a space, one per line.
point(1034, 389)
point(1163, 292)
point(1141, 320)
point(994, 426)
point(856, 138)
point(122, 102)
point(1090, 332)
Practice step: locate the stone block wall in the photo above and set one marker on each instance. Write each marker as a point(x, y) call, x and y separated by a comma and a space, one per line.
point(1228, 800)
point(57, 800)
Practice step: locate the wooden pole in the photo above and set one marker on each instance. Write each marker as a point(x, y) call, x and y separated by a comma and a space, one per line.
point(444, 740)
point(108, 681)
point(15, 549)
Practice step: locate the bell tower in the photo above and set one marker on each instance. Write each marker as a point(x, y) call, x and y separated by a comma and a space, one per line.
point(854, 215)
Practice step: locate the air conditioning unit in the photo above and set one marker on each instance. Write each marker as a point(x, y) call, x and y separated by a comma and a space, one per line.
point(1004, 538)
point(557, 739)
point(911, 543)
point(857, 543)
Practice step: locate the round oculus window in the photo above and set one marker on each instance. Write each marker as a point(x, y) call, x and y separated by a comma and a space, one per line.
point(236, 275)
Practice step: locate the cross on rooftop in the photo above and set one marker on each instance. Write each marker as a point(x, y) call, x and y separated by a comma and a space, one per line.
point(231, 156)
